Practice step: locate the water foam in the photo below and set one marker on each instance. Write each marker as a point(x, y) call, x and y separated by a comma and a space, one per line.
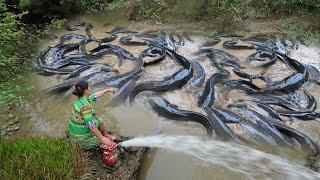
point(252, 163)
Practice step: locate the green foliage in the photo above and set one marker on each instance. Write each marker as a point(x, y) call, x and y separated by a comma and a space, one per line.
point(17, 45)
point(11, 93)
point(86, 5)
point(215, 13)
point(59, 8)
point(35, 158)
point(53, 25)
point(47, 7)
point(229, 15)
point(302, 33)
point(10, 35)
point(152, 9)
point(117, 3)
point(220, 14)
point(15, 48)
point(285, 7)
point(56, 24)
point(2, 6)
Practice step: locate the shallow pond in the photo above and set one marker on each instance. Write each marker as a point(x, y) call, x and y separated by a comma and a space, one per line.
point(48, 116)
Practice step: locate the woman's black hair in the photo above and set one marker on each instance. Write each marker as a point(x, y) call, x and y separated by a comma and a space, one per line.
point(80, 87)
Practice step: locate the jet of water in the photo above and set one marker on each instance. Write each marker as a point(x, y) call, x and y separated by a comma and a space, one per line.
point(252, 163)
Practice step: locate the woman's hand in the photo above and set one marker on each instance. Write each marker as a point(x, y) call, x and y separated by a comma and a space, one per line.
point(112, 90)
point(117, 69)
point(104, 91)
point(105, 140)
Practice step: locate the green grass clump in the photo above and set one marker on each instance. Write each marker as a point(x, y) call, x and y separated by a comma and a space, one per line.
point(218, 14)
point(35, 158)
point(11, 95)
point(153, 9)
point(284, 7)
point(302, 33)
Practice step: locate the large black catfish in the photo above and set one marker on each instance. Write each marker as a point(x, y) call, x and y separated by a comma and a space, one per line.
point(207, 97)
point(166, 109)
point(306, 143)
point(292, 82)
point(177, 80)
point(199, 75)
point(122, 93)
point(222, 130)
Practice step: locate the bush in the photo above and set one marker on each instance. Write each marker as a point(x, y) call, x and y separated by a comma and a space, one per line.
point(10, 36)
point(15, 53)
point(16, 44)
point(35, 158)
point(59, 8)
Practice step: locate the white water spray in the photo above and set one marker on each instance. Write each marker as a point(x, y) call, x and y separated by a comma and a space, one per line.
point(254, 164)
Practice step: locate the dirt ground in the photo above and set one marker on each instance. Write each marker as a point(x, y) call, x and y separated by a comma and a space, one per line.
point(128, 170)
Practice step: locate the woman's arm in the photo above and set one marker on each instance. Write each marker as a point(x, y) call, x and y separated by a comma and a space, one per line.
point(98, 134)
point(88, 117)
point(104, 91)
point(115, 69)
point(111, 69)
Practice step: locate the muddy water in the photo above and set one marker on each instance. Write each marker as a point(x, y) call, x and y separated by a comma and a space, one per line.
point(252, 163)
point(48, 116)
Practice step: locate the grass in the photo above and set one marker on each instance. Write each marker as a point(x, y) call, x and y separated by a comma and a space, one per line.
point(230, 15)
point(300, 32)
point(35, 158)
point(10, 95)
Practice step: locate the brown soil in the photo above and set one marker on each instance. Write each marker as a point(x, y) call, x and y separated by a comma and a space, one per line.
point(128, 170)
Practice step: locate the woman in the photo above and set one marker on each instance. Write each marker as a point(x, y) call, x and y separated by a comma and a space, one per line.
point(84, 127)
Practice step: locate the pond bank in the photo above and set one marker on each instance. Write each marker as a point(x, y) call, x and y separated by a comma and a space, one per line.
point(297, 18)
